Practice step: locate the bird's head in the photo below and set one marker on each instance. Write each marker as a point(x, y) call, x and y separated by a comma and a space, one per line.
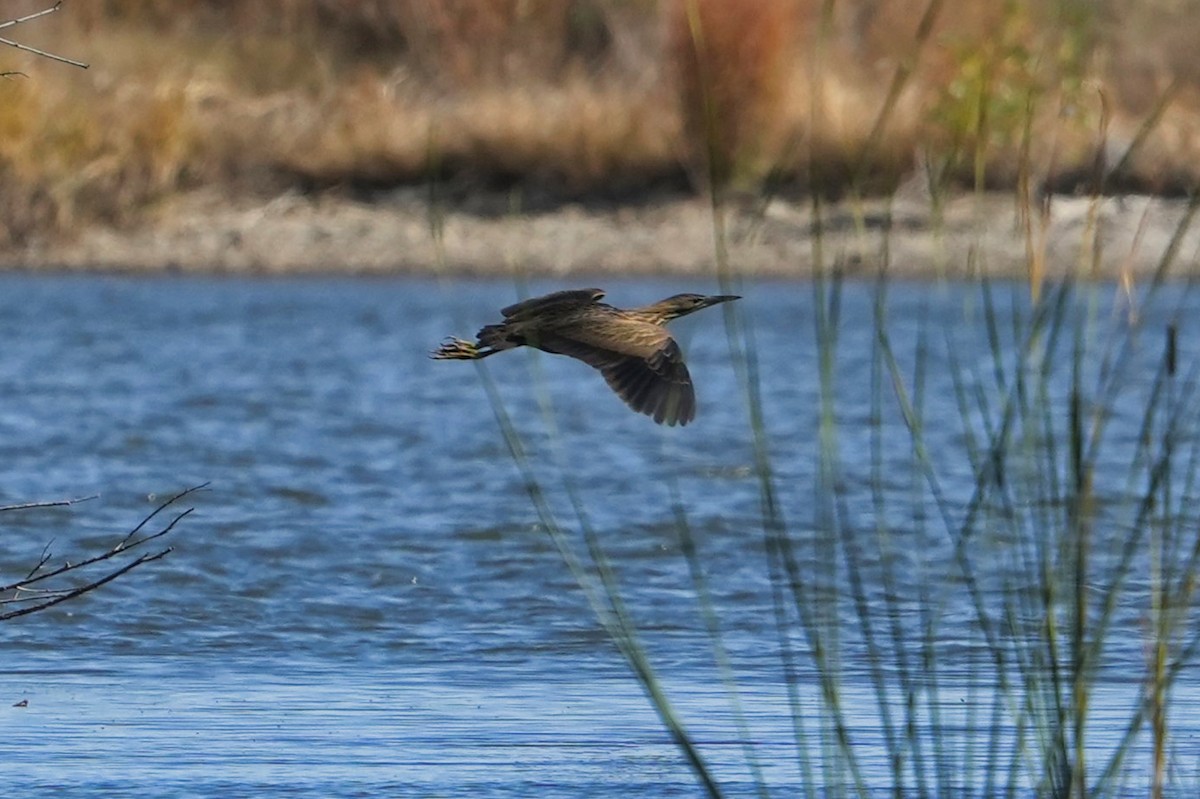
point(684, 304)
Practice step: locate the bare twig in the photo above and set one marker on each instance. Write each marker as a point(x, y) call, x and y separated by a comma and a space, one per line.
point(56, 598)
point(54, 503)
point(26, 48)
point(9, 23)
point(42, 560)
point(34, 593)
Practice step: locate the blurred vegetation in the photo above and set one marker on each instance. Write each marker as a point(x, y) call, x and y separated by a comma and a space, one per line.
point(586, 98)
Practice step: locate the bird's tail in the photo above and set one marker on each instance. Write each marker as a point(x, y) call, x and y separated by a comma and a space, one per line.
point(495, 337)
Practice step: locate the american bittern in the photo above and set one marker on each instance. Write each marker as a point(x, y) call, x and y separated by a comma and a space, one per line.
point(630, 347)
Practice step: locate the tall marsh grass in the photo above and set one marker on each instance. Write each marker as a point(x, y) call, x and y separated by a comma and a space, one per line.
point(1003, 611)
point(1004, 608)
point(987, 593)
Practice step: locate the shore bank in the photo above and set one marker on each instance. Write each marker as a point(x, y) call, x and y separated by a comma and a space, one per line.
point(206, 233)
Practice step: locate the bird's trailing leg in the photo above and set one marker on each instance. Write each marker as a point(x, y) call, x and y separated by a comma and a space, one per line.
point(457, 349)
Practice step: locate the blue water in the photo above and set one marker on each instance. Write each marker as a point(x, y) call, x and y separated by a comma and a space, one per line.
point(365, 601)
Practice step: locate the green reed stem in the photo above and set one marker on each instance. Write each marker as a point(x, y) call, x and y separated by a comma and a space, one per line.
point(712, 625)
point(887, 552)
point(900, 79)
point(606, 605)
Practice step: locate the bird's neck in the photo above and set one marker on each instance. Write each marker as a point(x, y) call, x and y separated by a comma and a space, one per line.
point(659, 313)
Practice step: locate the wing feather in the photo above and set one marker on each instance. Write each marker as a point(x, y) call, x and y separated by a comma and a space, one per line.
point(558, 301)
point(657, 384)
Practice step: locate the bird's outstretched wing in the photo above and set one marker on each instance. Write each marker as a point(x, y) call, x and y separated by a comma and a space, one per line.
point(658, 386)
point(652, 380)
point(558, 301)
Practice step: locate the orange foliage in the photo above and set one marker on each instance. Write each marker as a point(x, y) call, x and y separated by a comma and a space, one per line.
point(731, 59)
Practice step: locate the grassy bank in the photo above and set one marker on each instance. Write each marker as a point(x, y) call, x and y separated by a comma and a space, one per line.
point(597, 99)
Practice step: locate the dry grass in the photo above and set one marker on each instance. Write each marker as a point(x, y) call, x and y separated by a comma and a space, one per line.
point(578, 135)
point(732, 63)
point(591, 96)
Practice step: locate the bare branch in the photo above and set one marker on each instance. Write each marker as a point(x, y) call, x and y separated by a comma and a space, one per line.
point(43, 53)
point(26, 48)
point(54, 503)
point(85, 588)
point(125, 546)
point(168, 503)
point(9, 23)
point(43, 559)
point(29, 592)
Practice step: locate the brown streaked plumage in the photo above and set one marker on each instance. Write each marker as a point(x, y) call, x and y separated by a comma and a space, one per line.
point(631, 347)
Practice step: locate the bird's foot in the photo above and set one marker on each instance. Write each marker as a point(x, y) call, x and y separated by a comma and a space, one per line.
point(456, 349)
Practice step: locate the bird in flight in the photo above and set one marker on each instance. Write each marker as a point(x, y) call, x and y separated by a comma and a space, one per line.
point(631, 347)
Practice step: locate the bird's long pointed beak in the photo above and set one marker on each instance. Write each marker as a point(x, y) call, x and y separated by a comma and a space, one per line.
point(719, 298)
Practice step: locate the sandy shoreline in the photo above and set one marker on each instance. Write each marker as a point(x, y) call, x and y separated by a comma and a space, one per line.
point(328, 234)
